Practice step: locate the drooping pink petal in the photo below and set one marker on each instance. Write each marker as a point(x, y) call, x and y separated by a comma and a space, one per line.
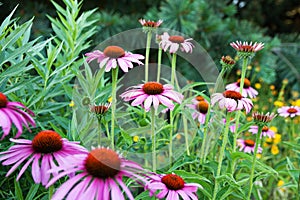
point(35, 170)
point(125, 188)
point(116, 193)
point(5, 123)
point(25, 166)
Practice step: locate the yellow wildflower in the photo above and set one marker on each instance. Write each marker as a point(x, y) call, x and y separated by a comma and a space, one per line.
point(249, 67)
point(295, 94)
point(280, 183)
point(72, 104)
point(135, 138)
point(258, 155)
point(277, 138)
point(257, 69)
point(272, 87)
point(296, 103)
point(178, 136)
point(274, 128)
point(285, 81)
point(274, 149)
point(257, 85)
point(109, 100)
point(278, 103)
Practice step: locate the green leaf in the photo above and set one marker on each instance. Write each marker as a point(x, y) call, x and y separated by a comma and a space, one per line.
point(32, 191)
point(18, 190)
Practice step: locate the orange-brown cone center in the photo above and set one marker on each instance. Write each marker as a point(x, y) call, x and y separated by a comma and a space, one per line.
point(173, 182)
point(228, 60)
point(99, 110)
point(176, 39)
point(249, 143)
point(247, 48)
point(103, 163)
point(47, 142)
point(114, 52)
point(199, 98)
point(292, 110)
point(265, 129)
point(3, 100)
point(232, 95)
point(247, 83)
point(153, 88)
point(202, 107)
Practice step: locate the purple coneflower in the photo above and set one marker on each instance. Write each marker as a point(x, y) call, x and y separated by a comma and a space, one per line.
point(232, 101)
point(112, 56)
point(200, 109)
point(100, 109)
point(248, 146)
point(174, 42)
point(45, 150)
point(289, 111)
point(152, 93)
point(149, 25)
point(99, 175)
point(172, 187)
point(10, 113)
point(265, 131)
point(246, 50)
point(247, 89)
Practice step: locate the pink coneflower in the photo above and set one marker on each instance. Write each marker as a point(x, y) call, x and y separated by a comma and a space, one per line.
point(227, 62)
point(265, 131)
point(289, 111)
point(47, 148)
point(112, 56)
point(246, 50)
point(232, 101)
point(152, 93)
point(172, 187)
point(99, 175)
point(247, 89)
point(174, 42)
point(100, 109)
point(262, 118)
point(10, 113)
point(149, 25)
point(200, 109)
point(248, 146)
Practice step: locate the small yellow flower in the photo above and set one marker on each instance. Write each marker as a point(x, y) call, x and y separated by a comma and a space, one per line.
point(278, 103)
point(272, 87)
point(285, 81)
point(296, 103)
point(72, 104)
point(178, 136)
point(280, 183)
point(257, 69)
point(274, 149)
point(274, 92)
point(238, 72)
point(295, 94)
point(135, 138)
point(268, 142)
point(109, 100)
point(277, 138)
point(249, 118)
point(257, 85)
point(274, 128)
point(258, 155)
point(249, 67)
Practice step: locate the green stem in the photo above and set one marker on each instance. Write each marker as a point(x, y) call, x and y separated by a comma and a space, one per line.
point(171, 138)
point(113, 105)
point(298, 189)
point(153, 139)
point(149, 36)
point(173, 65)
point(243, 75)
point(186, 135)
point(257, 143)
point(202, 154)
point(107, 130)
point(159, 64)
point(51, 190)
point(99, 128)
point(224, 143)
point(219, 78)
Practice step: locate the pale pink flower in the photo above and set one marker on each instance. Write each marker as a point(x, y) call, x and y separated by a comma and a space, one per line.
point(265, 131)
point(248, 146)
point(45, 150)
point(150, 24)
point(10, 113)
point(245, 47)
point(172, 187)
point(114, 56)
point(289, 111)
point(173, 43)
point(152, 94)
point(98, 175)
point(248, 91)
point(232, 101)
point(200, 109)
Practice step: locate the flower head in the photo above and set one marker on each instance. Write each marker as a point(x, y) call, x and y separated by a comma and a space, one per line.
point(227, 62)
point(150, 26)
point(200, 109)
point(248, 91)
point(171, 186)
point(47, 148)
point(99, 175)
point(112, 56)
point(152, 93)
point(100, 109)
point(246, 50)
point(174, 42)
point(289, 111)
point(248, 146)
point(10, 113)
point(232, 101)
point(266, 131)
point(263, 119)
